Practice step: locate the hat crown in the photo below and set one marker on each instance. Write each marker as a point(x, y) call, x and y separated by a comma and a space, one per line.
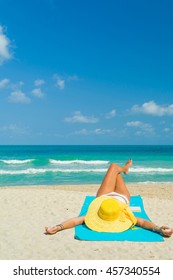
point(109, 210)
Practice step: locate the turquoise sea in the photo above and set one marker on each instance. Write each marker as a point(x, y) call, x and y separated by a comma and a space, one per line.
point(53, 165)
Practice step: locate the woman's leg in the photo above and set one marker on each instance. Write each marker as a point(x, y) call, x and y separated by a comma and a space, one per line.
point(110, 184)
point(121, 188)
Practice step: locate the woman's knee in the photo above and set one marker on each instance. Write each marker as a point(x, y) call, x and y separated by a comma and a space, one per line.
point(114, 166)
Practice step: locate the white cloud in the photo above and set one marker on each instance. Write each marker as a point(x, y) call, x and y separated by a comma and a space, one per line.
point(111, 114)
point(143, 128)
point(167, 129)
point(72, 78)
point(19, 97)
point(134, 124)
point(60, 84)
point(11, 127)
point(4, 83)
point(97, 131)
point(17, 86)
point(83, 131)
point(62, 80)
point(79, 118)
point(102, 131)
point(38, 82)
point(4, 46)
point(14, 129)
point(38, 92)
point(151, 108)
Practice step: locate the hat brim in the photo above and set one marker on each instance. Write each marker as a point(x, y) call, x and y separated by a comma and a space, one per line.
point(94, 222)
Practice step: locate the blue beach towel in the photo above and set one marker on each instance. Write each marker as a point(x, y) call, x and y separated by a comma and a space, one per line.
point(137, 234)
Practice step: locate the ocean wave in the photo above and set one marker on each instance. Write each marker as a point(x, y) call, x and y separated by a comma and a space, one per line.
point(87, 162)
point(150, 170)
point(45, 170)
point(17, 161)
point(26, 171)
point(153, 182)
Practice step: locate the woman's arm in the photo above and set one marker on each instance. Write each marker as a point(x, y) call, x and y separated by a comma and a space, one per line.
point(164, 230)
point(65, 225)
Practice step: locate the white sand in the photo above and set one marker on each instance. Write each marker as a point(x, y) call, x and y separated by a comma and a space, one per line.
point(25, 211)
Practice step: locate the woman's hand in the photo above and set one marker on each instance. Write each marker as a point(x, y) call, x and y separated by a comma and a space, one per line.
point(166, 231)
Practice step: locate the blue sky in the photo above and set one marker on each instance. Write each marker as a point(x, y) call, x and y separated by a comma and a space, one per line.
point(86, 72)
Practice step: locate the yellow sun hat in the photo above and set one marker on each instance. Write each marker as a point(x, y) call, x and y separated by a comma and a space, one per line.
point(109, 215)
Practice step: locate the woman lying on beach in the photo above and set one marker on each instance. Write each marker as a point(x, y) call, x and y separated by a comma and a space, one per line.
point(109, 211)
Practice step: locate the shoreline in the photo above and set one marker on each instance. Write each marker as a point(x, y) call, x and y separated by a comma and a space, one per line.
point(165, 189)
point(26, 210)
point(85, 184)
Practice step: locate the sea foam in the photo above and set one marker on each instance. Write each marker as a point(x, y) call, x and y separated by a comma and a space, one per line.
point(44, 170)
point(87, 162)
point(150, 170)
point(17, 161)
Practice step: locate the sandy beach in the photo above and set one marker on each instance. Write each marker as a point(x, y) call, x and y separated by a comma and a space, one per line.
point(26, 210)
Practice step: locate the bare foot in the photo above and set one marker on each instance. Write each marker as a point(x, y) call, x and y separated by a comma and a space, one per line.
point(53, 230)
point(127, 166)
